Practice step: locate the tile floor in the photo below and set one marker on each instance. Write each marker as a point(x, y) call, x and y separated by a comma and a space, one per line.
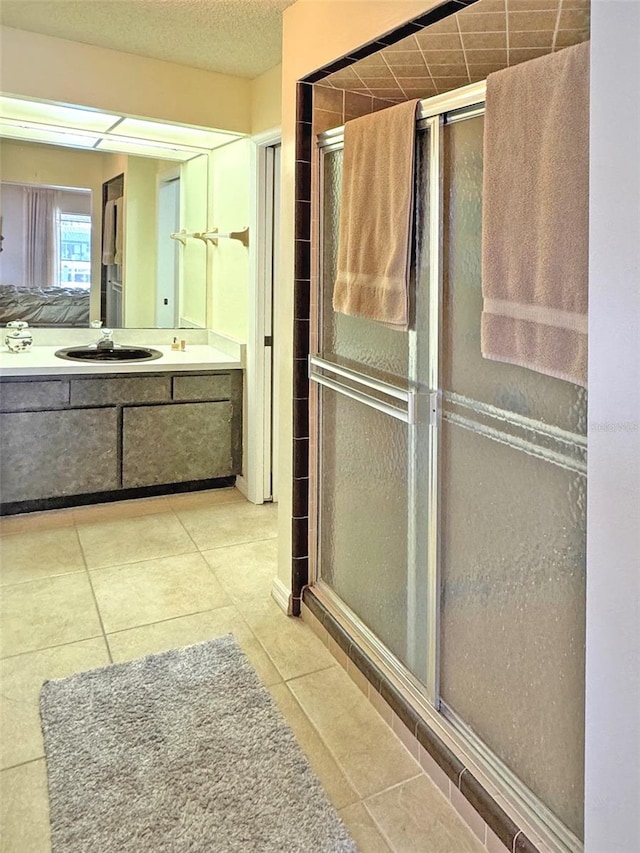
point(82, 588)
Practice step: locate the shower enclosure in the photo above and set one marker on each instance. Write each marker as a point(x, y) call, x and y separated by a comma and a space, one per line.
point(450, 494)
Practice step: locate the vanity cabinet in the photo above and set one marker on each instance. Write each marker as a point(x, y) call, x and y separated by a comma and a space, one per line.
point(51, 454)
point(172, 444)
point(102, 436)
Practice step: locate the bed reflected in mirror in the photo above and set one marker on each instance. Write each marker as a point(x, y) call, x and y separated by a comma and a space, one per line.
point(45, 265)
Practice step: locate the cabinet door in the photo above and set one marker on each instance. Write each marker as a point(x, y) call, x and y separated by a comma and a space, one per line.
point(49, 454)
point(176, 443)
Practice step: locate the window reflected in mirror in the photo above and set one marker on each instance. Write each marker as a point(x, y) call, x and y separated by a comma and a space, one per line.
point(45, 265)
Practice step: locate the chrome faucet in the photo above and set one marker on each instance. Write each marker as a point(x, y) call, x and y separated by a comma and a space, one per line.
point(106, 341)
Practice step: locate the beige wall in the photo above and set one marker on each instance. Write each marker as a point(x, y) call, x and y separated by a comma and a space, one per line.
point(51, 165)
point(315, 33)
point(139, 294)
point(266, 100)
point(229, 206)
point(194, 178)
point(47, 68)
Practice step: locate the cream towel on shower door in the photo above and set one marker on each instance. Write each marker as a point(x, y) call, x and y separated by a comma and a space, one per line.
point(535, 226)
point(376, 216)
point(109, 232)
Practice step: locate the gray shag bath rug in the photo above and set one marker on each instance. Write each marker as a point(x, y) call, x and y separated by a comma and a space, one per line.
point(183, 751)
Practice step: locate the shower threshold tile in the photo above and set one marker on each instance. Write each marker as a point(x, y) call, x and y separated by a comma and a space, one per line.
point(371, 756)
point(416, 818)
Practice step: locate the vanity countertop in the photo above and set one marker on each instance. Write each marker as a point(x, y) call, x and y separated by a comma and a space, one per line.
point(41, 360)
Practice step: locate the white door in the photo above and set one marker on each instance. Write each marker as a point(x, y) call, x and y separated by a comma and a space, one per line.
point(167, 271)
point(271, 282)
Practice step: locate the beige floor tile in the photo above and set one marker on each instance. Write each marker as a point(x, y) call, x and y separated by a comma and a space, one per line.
point(333, 780)
point(187, 630)
point(416, 818)
point(369, 753)
point(21, 678)
point(24, 809)
point(28, 521)
point(208, 498)
point(113, 543)
point(363, 830)
point(229, 524)
point(115, 510)
point(246, 571)
point(49, 612)
point(38, 554)
point(150, 591)
point(291, 645)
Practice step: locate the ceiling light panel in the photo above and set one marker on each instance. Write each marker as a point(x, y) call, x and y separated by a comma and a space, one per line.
point(50, 136)
point(34, 111)
point(177, 134)
point(146, 149)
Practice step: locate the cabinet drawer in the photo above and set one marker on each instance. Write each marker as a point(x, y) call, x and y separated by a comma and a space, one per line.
point(216, 386)
point(19, 396)
point(50, 454)
point(120, 390)
point(176, 443)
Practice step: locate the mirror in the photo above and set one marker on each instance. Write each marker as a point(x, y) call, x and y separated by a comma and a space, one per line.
point(52, 267)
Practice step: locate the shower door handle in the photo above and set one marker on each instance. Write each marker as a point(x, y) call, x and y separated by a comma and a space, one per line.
point(359, 386)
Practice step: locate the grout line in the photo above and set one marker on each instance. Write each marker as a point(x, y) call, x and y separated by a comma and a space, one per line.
point(138, 562)
point(23, 763)
point(424, 58)
point(464, 49)
point(236, 544)
point(43, 578)
point(93, 593)
point(394, 786)
point(366, 85)
point(172, 619)
point(557, 27)
point(506, 28)
point(393, 74)
point(304, 675)
point(49, 648)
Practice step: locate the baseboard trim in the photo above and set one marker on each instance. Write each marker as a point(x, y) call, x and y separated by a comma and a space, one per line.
point(281, 595)
point(242, 486)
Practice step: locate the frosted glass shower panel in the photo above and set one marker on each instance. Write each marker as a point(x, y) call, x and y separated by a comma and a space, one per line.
point(513, 590)
point(353, 341)
point(465, 371)
point(363, 512)
point(512, 531)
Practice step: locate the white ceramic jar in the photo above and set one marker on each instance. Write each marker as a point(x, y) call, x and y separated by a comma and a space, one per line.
point(18, 338)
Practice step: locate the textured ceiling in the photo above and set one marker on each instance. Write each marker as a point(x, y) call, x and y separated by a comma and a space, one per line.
point(240, 37)
point(466, 47)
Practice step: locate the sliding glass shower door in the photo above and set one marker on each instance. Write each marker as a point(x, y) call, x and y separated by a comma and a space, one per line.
point(512, 531)
point(367, 538)
point(451, 498)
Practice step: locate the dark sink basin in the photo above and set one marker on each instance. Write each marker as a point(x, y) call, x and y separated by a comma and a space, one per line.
point(106, 354)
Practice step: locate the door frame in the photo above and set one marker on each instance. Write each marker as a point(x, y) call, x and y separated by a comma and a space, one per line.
point(261, 401)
